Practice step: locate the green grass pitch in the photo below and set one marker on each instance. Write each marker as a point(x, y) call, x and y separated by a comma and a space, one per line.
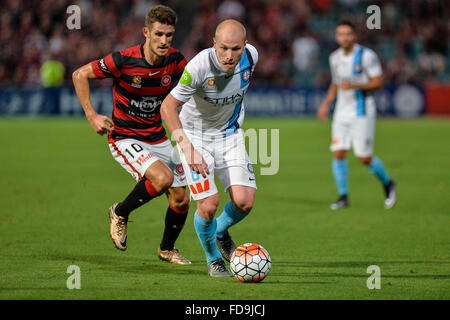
point(57, 180)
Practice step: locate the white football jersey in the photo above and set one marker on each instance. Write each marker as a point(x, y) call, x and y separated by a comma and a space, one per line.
point(357, 67)
point(212, 95)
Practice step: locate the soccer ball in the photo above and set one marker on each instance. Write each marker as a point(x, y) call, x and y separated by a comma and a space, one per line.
point(250, 262)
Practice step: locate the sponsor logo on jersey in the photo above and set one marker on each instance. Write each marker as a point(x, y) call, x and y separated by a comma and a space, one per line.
point(137, 82)
point(186, 78)
point(235, 98)
point(148, 105)
point(165, 80)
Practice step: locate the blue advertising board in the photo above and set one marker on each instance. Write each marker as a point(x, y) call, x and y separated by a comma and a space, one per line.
point(403, 101)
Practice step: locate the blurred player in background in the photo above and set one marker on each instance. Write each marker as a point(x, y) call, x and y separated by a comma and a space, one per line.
point(143, 76)
point(356, 73)
point(209, 138)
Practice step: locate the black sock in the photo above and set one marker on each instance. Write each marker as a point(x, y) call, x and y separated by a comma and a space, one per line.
point(174, 224)
point(387, 188)
point(134, 200)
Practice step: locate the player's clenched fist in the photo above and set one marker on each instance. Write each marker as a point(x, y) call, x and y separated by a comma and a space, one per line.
point(101, 124)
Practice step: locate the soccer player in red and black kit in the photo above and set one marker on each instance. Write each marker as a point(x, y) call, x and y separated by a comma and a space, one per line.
point(142, 77)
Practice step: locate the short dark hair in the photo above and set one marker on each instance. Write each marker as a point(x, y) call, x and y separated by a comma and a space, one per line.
point(347, 23)
point(161, 14)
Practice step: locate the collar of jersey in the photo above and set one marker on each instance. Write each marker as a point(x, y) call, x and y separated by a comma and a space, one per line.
point(146, 62)
point(355, 48)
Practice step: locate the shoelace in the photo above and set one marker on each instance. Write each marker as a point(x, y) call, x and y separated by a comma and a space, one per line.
point(174, 253)
point(219, 266)
point(121, 226)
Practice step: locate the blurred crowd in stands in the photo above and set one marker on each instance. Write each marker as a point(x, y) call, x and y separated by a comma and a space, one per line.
point(294, 37)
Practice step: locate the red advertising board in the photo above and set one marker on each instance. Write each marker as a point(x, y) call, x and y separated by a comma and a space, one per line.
point(437, 99)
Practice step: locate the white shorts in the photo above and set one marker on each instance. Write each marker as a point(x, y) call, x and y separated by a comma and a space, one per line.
point(225, 156)
point(358, 133)
point(136, 156)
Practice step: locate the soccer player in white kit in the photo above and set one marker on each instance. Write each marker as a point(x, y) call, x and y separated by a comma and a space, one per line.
point(209, 138)
point(356, 73)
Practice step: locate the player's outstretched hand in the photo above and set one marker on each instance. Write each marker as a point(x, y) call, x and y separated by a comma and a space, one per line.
point(101, 124)
point(195, 160)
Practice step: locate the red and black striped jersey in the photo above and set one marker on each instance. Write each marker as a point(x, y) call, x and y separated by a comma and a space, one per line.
point(139, 89)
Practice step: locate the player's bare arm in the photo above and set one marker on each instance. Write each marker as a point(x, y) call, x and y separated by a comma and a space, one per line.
point(322, 113)
point(170, 116)
point(374, 83)
point(100, 123)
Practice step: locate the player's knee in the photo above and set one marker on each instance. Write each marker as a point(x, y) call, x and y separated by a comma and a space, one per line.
point(366, 160)
point(243, 205)
point(167, 181)
point(207, 209)
point(180, 202)
point(162, 181)
point(340, 154)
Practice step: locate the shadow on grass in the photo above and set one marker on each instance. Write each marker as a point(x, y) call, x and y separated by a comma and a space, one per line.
point(129, 264)
point(293, 282)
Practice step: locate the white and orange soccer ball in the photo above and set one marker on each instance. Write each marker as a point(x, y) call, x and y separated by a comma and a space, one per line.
point(250, 262)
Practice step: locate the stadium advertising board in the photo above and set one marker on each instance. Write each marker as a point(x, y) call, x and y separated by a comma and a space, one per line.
point(402, 101)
